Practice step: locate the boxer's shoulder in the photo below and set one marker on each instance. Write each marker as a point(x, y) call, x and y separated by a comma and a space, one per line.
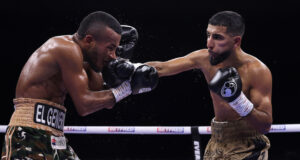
point(63, 48)
point(254, 65)
point(255, 70)
point(200, 57)
point(201, 54)
point(63, 43)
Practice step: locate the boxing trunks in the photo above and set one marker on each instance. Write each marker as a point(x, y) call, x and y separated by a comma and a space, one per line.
point(236, 141)
point(35, 132)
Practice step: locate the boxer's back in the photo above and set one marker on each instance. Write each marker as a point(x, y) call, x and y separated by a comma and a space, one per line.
point(41, 76)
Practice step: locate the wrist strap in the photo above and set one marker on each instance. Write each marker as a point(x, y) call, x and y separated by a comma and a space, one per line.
point(122, 91)
point(242, 105)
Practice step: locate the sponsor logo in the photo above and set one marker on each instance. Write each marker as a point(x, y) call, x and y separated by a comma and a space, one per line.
point(208, 129)
point(229, 88)
point(53, 141)
point(58, 142)
point(170, 130)
point(278, 128)
point(197, 150)
point(121, 129)
point(81, 129)
point(50, 116)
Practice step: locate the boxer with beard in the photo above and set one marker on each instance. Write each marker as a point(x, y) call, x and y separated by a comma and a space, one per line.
point(240, 87)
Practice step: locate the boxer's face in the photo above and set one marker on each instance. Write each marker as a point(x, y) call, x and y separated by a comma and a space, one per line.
point(219, 43)
point(103, 50)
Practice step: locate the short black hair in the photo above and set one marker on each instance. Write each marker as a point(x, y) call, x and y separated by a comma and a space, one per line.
point(94, 22)
point(234, 22)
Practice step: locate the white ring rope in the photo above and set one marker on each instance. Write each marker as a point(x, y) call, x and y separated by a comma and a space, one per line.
point(157, 130)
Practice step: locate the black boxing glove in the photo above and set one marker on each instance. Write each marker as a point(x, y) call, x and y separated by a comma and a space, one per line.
point(128, 41)
point(124, 78)
point(117, 71)
point(144, 79)
point(228, 85)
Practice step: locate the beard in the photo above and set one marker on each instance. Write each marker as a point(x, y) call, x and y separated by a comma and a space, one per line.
point(215, 58)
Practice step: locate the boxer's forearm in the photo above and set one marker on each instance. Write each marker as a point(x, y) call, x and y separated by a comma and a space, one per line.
point(95, 81)
point(260, 120)
point(94, 101)
point(174, 66)
point(171, 67)
point(161, 68)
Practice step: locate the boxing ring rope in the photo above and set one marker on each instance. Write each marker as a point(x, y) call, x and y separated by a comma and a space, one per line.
point(157, 130)
point(194, 131)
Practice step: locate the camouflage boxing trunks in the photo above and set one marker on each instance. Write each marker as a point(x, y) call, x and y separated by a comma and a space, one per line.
point(35, 132)
point(236, 141)
point(25, 143)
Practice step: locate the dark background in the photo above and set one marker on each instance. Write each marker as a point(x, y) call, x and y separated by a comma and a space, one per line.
point(167, 29)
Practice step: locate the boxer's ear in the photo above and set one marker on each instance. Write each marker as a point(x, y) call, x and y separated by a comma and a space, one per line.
point(89, 39)
point(237, 41)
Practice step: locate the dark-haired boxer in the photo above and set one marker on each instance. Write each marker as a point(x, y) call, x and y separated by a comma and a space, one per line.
point(71, 64)
point(241, 89)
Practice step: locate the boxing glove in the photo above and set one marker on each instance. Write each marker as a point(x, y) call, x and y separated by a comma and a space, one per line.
point(129, 39)
point(124, 78)
point(228, 85)
point(144, 79)
point(117, 71)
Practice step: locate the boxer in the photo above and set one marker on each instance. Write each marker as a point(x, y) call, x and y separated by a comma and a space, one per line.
point(72, 64)
point(240, 86)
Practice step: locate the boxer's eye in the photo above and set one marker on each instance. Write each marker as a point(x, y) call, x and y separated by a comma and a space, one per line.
point(218, 37)
point(208, 35)
point(111, 47)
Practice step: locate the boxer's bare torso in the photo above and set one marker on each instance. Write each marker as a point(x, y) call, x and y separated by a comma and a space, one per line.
point(255, 76)
point(252, 72)
point(41, 77)
point(59, 67)
point(256, 81)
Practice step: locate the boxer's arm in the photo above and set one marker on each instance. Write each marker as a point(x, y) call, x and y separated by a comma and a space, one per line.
point(95, 80)
point(260, 95)
point(177, 65)
point(76, 80)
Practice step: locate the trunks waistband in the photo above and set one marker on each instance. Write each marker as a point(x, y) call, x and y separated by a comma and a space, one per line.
point(40, 114)
point(230, 131)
